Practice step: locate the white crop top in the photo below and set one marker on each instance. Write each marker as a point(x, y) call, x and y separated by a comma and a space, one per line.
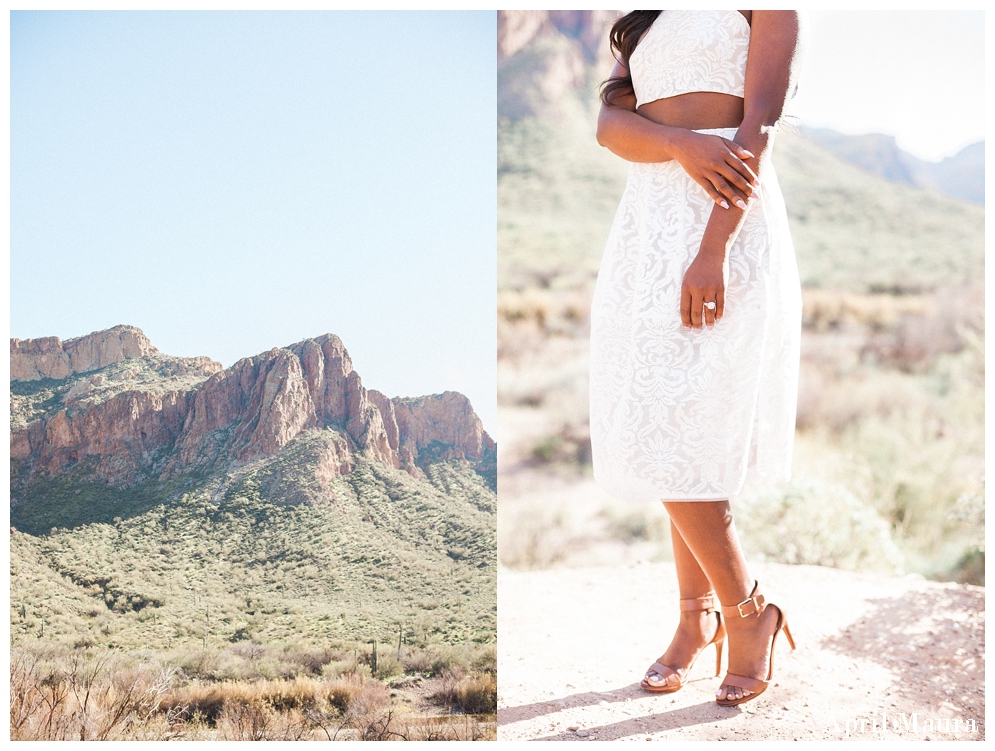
point(691, 50)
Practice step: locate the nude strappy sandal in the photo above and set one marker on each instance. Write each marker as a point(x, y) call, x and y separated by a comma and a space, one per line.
point(755, 604)
point(672, 680)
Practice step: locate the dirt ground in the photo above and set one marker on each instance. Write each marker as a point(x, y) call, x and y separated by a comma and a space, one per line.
point(878, 658)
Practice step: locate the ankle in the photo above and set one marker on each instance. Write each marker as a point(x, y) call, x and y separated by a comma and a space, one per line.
point(753, 604)
point(699, 621)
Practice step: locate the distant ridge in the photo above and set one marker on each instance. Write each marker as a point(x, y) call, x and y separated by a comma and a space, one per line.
point(959, 176)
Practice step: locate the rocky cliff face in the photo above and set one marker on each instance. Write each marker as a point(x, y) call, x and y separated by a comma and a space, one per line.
point(246, 412)
point(446, 419)
point(544, 54)
point(587, 28)
point(49, 357)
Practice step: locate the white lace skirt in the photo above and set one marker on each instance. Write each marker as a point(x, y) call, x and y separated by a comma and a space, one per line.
point(687, 414)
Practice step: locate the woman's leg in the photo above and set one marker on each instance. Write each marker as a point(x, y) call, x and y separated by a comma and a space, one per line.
point(690, 578)
point(707, 529)
point(696, 628)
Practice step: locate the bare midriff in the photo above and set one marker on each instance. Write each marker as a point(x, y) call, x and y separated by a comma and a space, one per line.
point(696, 110)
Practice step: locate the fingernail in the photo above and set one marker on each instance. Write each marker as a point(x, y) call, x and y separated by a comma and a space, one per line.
point(724, 205)
point(749, 154)
point(739, 202)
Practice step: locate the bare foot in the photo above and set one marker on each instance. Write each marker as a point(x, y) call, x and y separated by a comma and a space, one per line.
point(696, 630)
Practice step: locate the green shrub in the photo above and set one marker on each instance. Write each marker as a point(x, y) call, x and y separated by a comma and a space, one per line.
point(388, 666)
point(818, 524)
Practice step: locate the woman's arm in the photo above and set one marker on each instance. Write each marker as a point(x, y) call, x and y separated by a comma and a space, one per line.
point(714, 163)
point(769, 67)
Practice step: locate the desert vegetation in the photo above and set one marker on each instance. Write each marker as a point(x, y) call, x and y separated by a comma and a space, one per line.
point(257, 604)
point(94, 694)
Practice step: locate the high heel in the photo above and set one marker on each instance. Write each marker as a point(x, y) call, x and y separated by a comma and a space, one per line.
point(671, 679)
point(755, 604)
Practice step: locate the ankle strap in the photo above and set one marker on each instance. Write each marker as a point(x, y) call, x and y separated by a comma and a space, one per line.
point(754, 604)
point(706, 603)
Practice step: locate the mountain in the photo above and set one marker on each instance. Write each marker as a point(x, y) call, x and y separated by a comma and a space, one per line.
point(148, 419)
point(145, 483)
point(959, 176)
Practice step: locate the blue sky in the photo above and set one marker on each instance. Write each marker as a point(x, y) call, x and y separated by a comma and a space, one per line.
point(230, 182)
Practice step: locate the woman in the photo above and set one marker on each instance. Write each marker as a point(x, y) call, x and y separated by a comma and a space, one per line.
point(696, 317)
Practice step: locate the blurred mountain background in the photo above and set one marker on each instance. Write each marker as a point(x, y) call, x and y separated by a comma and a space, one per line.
point(889, 454)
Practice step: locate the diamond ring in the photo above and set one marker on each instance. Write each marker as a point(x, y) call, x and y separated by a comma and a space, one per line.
point(710, 305)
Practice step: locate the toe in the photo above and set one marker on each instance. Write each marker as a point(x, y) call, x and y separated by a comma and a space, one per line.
point(656, 680)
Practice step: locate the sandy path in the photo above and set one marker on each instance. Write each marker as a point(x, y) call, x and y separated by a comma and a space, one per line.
point(574, 643)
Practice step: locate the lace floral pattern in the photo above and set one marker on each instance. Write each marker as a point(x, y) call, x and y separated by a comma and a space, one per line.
point(684, 414)
point(687, 50)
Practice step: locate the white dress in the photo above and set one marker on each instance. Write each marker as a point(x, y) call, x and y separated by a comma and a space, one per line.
point(677, 413)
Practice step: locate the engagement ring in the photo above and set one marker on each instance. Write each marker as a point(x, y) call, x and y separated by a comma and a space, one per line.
point(710, 305)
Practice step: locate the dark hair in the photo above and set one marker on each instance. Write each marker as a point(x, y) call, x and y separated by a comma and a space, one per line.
point(624, 36)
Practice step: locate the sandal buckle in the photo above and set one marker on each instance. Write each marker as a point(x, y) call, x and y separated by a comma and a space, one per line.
point(757, 602)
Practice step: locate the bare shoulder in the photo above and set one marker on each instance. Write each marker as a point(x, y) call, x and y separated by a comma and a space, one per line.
point(772, 65)
point(774, 23)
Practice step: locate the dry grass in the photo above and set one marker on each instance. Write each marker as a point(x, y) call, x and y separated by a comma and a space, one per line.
point(469, 694)
point(209, 700)
point(85, 699)
point(101, 696)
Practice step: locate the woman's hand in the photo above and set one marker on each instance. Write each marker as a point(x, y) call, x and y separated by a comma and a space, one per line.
point(704, 282)
point(717, 165)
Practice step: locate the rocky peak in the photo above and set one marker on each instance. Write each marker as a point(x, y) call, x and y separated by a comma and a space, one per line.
point(589, 28)
point(546, 54)
point(445, 418)
point(48, 357)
